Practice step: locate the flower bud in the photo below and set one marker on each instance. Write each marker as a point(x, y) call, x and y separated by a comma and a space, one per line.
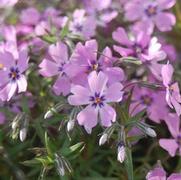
point(150, 132)
point(121, 153)
point(103, 139)
point(70, 125)
point(22, 134)
point(55, 109)
point(49, 113)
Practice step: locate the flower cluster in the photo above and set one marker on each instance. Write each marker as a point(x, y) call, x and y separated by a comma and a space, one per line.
point(105, 64)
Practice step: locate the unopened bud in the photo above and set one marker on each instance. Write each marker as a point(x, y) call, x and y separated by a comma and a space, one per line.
point(22, 134)
point(121, 153)
point(57, 108)
point(14, 124)
point(70, 125)
point(103, 139)
point(150, 132)
point(49, 113)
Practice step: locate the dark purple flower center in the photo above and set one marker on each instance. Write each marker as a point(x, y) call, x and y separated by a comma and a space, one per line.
point(61, 68)
point(146, 100)
point(94, 66)
point(151, 10)
point(138, 49)
point(14, 73)
point(78, 27)
point(97, 100)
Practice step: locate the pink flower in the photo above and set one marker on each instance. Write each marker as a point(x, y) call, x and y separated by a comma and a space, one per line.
point(57, 64)
point(149, 13)
point(173, 96)
point(159, 173)
point(85, 58)
point(103, 12)
point(96, 96)
point(82, 24)
point(156, 174)
point(144, 98)
point(11, 72)
point(141, 46)
point(171, 145)
point(135, 45)
point(30, 16)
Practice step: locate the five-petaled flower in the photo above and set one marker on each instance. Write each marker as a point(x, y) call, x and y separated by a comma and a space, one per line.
point(11, 72)
point(148, 13)
point(96, 96)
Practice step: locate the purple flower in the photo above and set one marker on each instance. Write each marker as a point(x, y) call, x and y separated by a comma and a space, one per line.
point(30, 16)
point(159, 173)
point(148, 13)
point(144, 98)
point(82, 24)
point(141, 46)
point(85, 58)
point(57, 64)
point(96, 96)
point(173, 96)
point(156, 174)
point(171, 145)
point(136, 45)
point(11, 72)
point(103, 12)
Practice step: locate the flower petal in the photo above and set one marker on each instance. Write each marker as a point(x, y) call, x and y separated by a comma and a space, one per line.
point(97, 82)
point(22, 84)
point(59, 52)
point(88, 118)
point(80, 96)
point(164, 21)
point(120, 36)
point(114, 93)
point(8, 91)
point(169, 145)
point(62, 85)
point(107, 115)
point(48, 68)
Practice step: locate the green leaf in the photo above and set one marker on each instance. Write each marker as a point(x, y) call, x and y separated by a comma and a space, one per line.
point(129, 164)
point(49, 145)
point(31, 163)
point(77, 147)
point(64, 32)
point(49, 39)
point(138, 116)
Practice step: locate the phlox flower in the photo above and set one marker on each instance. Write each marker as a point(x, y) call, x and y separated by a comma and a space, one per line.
point(103, 11)
point(96, 96)
point(135, 44)
point(141, 46)
point(173, 96)
point(173, 144)
point(159, 173)
point(85, 58)
point(148, 13)
point(144, 98)
point(11, 72)
point(57, 64)
point(82, 24)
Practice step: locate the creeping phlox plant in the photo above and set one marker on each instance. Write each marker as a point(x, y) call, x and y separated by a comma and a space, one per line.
point(90, 88)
